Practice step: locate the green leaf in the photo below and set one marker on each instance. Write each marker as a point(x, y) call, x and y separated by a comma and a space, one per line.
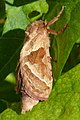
point(22, 2)
point(2, 9)
point(63, 43)
point(11, 78)
point(40, 6)
point(78, 41)
point(16, 19)
point(74, 58)
point(10, 45)
point(7, 93)
point(63, 103)
point(9, 115)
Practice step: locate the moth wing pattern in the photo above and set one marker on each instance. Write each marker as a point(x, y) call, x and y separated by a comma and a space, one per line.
point(35, 66)
point(35, 69)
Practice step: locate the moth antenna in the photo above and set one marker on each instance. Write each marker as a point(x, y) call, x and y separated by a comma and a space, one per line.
point(55, 18)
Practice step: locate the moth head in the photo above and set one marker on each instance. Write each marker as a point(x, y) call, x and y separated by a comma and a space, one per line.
point(36, 27)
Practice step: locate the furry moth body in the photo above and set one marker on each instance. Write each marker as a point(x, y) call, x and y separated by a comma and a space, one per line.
point(34, 72)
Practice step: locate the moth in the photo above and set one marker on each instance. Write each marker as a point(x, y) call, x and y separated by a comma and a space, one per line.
point(34, 72)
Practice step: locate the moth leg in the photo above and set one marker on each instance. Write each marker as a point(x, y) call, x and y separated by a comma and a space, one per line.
point(27, 103)
point(55, 18)
point(57, 32)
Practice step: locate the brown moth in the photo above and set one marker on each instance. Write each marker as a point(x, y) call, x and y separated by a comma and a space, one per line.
point(34, 72)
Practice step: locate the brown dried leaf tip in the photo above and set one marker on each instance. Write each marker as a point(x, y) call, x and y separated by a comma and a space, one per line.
point(34, 72)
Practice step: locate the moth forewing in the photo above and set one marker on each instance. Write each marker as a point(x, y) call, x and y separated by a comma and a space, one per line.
point(35, 72)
